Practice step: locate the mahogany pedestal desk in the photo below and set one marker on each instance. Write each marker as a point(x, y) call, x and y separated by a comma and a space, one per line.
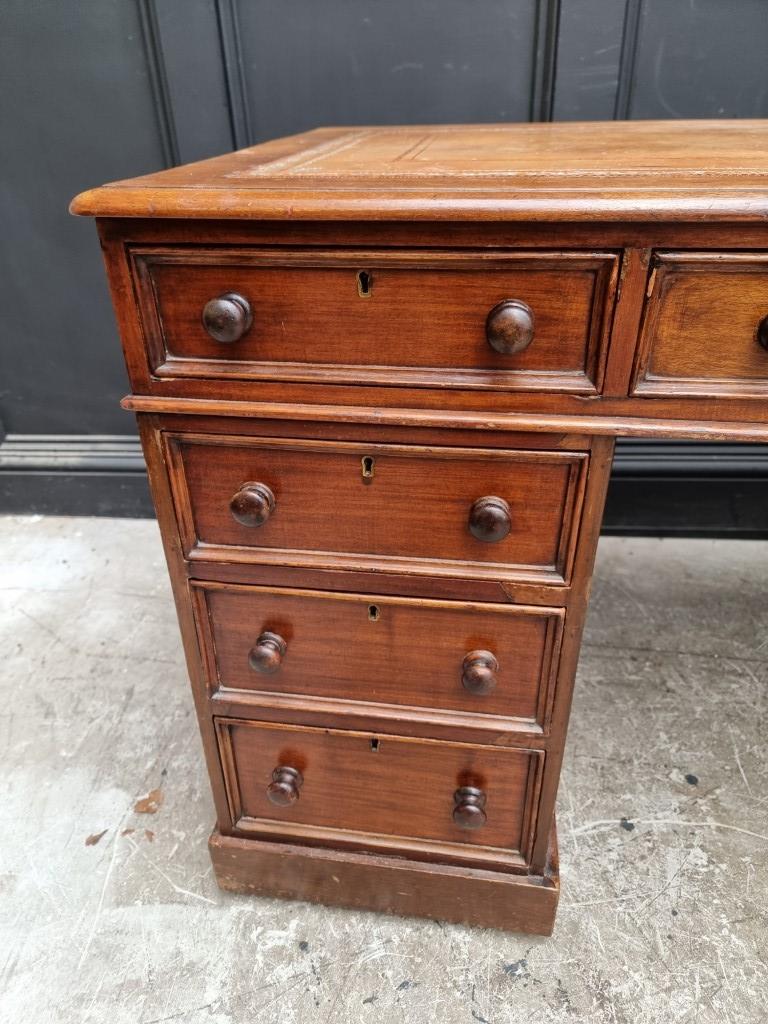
point(378, 375)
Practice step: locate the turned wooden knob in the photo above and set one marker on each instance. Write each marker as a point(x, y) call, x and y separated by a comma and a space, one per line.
point(285, 785)
point(468, 810)
point(253, 504)
point(227, 318)
point(479, 670)
point(509, 327)
point(266, 655)
point(762, 332)
point(490, 519)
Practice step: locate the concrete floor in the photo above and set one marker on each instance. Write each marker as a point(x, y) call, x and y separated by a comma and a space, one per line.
point(663, 816)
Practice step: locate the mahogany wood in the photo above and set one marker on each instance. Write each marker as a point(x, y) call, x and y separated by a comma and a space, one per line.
point(378, 790)
point(428, 317)
point(390, 885)
point(739, 423)
point(378, 375)
point(419, 512)
point(413, 652)
point(641, 170)
point(702, 329)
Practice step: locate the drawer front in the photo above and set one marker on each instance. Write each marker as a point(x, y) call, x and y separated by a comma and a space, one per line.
point(380, 790)
point(475, 659)
point(705, 330)
point(446, 511)
point(386, 318)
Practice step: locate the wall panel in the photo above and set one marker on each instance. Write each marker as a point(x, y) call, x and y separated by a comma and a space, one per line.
point(106, 89)
point(367, 62)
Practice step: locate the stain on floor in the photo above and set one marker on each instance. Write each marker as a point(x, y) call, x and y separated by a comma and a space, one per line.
point(149, 804)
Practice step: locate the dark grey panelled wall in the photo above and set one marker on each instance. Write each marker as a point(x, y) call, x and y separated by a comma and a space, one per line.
point(105, 89)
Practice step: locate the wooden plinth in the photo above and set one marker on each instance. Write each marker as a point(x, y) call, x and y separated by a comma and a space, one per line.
point(391, 885)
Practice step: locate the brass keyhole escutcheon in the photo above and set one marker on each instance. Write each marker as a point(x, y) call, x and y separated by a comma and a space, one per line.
point(367, 463)
point(364, 284)
point(373, 612)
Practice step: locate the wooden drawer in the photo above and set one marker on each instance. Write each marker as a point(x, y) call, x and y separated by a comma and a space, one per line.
point(382, 650)
point(399, 508)
point(410, 319)
point(357, 789)
point(705, 330)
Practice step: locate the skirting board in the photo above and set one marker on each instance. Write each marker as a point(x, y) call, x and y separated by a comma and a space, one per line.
point(657, 488)
point(390, 885)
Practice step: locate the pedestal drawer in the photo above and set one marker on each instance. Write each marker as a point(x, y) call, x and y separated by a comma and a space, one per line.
point(476, 659)
point(417, 795)
point(436, 511)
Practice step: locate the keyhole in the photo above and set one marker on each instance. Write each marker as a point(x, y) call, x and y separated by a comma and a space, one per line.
point(375, 744)
point(367, 463)
point(364, 284)
point(373, 612)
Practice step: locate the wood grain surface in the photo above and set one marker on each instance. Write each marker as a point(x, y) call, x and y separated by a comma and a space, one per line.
point(677, 170)
point(380, 505)
point(387, 786)
point(422, 319)
point(365, 647)
point(700, 333)
point(415, 510)
point(390, 884)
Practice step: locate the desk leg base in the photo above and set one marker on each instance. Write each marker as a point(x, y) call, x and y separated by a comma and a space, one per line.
point(390, 885)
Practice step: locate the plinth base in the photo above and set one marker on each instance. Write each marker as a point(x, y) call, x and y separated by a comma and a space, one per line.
point(390, 885)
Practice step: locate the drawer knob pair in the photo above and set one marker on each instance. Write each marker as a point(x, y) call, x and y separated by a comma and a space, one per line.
point(490, 518)
point(478, 675)
point(508, 327)
point(468, 801)
point(227, 318)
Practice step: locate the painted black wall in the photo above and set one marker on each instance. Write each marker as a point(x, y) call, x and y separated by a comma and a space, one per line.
point(104, 89)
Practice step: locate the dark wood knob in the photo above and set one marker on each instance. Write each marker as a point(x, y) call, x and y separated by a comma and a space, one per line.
point(284, 788)
point(762, 333)
point(266, 655)
point(479, 670)
point(253, 504)
point(227, 318)
point(490, 519)
point(469, 807)
point(509, 327)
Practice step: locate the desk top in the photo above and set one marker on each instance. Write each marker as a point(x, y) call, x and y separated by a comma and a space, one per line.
point(615, 170)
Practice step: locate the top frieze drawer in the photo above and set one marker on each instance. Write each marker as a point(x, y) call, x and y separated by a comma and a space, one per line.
point(491, 320)
point(705, 328)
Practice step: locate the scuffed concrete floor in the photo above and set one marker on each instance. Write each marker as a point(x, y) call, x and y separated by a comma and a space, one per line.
point(663, 816)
